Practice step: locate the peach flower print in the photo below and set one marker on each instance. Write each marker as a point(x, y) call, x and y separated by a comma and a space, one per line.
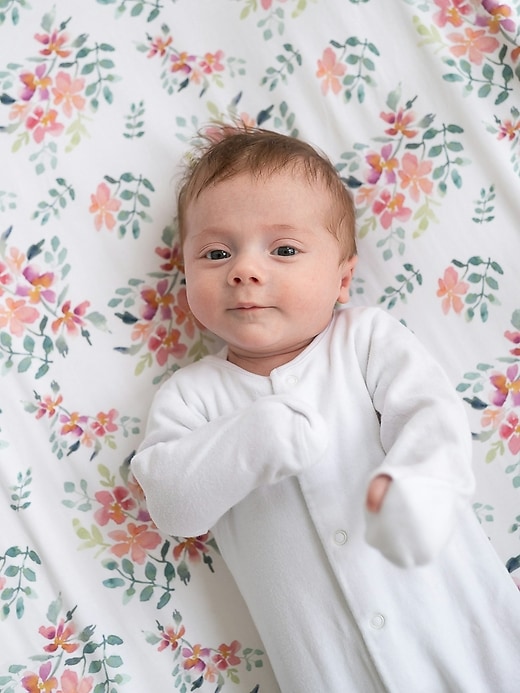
point(68, 92)
point(415, 173)
point(70, 683)
point(450, 290)
point(15, 315)
point(102, 204)
point(330, 70)
point(473, 43)
point(135, 541)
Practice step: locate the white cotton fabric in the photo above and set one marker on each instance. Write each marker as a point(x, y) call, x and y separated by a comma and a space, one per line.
point(278, 468)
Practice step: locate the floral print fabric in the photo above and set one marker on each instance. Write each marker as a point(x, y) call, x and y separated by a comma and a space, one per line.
point(418, 107)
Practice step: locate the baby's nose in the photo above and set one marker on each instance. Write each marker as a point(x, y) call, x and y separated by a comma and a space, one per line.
point(245, 270)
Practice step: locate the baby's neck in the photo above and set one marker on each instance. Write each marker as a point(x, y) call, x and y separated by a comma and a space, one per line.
point(264, 364)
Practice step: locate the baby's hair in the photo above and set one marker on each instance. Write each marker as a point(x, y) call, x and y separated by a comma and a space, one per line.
point(227, 151)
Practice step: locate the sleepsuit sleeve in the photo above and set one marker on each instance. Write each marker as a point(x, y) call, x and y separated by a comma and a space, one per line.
point(192, 470)
point(425, 435)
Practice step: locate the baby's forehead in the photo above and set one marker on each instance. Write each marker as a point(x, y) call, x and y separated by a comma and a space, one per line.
point(265, 178)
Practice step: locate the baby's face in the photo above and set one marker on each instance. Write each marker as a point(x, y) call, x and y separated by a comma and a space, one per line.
point(262, 270)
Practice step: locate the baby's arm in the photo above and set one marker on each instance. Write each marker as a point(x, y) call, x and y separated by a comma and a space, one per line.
point(414, 497)
point(193, 470)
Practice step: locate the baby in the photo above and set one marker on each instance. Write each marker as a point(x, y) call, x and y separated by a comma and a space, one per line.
point(324, 447)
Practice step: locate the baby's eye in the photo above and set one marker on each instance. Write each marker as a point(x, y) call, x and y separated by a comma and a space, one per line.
point(285, 251)
point(217, 254)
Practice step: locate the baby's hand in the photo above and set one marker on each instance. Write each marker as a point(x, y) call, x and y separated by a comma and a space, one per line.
point(377, 491)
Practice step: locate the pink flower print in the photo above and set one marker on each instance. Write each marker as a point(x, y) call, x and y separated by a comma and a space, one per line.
point(39, 285)
point(172, 256)
point(515, 338)
point(400, 123)
point(508, 129)
point(212, 62)
point(102, 204)
point(195, 547)
point(181, 62)
point(41, 682)
point(68, 92)
point(227, 655)
point(170, 638)
point(136, 541)
point(473, 43)
point(60, 636)
point(53, 44)
point(194, 657)
point(71, 318)
point(115, 505)
point(450, 290)
point(451, 12)
point(48, 406)
point(73, 423)
point(184, 316)
point(500, 17)
point(5, 277)
point(415, 174)
point(382, 163)
point(42, 123)
point(505, 385)
point(329, 71)
point(159, 46)
point(165, 343)
point(266, 4)
point(105, 423)
point(16, 314)
point(35, 81)
point(391, 208)
point(70, 683)
point(157, 299)
point(510, 431)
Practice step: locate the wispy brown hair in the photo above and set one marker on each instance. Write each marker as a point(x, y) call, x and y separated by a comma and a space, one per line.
point(228, 151)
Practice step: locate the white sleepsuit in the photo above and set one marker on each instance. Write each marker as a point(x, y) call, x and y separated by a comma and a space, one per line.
point(278, 467)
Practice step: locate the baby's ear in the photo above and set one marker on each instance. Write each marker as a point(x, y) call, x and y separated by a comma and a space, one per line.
point(347, 272)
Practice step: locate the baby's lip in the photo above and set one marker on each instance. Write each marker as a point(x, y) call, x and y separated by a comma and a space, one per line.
point(248, 306)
